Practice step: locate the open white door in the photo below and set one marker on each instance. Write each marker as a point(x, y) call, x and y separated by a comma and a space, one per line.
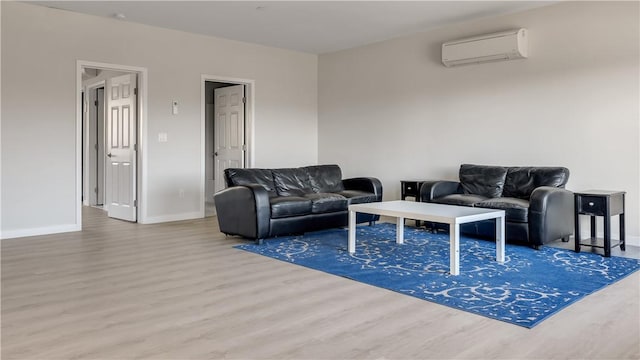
point(121, 147)
point(229, 131)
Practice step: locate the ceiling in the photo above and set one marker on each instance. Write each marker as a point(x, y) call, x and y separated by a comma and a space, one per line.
point(309, 26)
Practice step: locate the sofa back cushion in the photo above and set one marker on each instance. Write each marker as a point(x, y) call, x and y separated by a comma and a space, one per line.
point(521, 181)
point(482, 180)
point(264, 177)
point(325, 178)
point(292, 182)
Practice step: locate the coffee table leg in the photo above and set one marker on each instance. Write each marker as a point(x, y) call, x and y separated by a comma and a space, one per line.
point(400, 231)
point(500, 239)
point(352, 232)
point(454, 251)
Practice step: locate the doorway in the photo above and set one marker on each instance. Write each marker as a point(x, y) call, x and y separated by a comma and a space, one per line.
point(227, 127)
point(111, 107)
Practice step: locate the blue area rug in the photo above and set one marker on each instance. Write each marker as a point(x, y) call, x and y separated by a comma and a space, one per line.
point(529, 287)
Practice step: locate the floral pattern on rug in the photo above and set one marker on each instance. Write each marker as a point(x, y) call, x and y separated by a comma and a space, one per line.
point(528, 287)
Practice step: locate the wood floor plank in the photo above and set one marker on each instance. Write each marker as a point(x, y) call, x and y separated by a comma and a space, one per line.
point(120, 290)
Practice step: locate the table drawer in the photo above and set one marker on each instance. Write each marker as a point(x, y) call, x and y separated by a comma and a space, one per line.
point(593, 205)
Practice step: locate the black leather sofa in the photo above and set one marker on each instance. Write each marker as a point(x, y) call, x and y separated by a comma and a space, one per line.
point(263, 203)
point(537, 207)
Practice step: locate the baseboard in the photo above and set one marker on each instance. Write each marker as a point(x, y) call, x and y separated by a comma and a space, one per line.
point(633, 240)
point(172, 217)
point(47, 230)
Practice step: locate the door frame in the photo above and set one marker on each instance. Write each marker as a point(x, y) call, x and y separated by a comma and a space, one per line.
point(141, 158)
point(249, 128)
point(94, 86)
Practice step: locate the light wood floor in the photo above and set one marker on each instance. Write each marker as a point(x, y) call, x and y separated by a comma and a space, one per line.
point(118, 290)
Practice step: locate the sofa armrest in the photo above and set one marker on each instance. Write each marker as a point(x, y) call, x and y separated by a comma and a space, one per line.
point(368, 184)
point(435, 189)
point(551, 215)
point(244, 210)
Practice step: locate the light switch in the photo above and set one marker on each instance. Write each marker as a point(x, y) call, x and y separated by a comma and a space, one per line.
point(162, 137)
point(174, 107)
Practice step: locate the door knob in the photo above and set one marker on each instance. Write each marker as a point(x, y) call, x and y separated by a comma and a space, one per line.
point(109, 155)
point(215, 153)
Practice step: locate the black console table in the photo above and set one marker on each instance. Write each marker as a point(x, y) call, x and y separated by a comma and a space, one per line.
point(599, 203)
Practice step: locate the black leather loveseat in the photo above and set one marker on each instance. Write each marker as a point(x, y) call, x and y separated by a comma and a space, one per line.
point(537, 207)
point(263, 203)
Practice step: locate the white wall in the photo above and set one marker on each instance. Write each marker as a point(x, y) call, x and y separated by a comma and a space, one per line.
point(40, 47)
point(392, 110)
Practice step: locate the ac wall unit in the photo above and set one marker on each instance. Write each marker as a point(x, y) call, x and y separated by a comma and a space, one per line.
point(506, 45)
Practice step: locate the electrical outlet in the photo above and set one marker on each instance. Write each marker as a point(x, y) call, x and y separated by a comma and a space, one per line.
point(181, 193)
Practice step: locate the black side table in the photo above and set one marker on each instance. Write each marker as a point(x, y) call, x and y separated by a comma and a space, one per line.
point(411, 188)
point(599, 203)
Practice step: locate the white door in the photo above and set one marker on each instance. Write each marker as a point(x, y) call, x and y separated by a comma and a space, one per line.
point(100, 149)
point(210, 159)
point(91, 155)
point(229, 131)
point(121, 147)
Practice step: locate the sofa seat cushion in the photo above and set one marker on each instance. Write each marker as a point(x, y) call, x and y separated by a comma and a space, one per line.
point(326, 202)
point(516, 210)
point(460, 199)
point(358, 197)
point(286, 206)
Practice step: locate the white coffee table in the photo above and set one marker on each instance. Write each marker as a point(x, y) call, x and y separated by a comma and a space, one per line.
point(446, 214)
